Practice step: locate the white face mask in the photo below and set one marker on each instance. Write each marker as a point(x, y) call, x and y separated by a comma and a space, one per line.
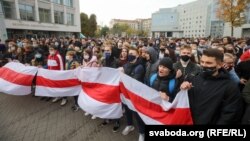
point(56, 43)
point(77, 48)
point(52, 52)
point(38, 55)
point(86, 57)
point(68, 58)
point(194, 51)
point(13, 48)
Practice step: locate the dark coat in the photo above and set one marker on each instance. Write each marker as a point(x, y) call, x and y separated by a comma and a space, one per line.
point(215, 100)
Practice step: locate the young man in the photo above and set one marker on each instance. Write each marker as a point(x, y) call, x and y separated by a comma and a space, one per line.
point(185, 67)
point(213, 97)
point(135, 70)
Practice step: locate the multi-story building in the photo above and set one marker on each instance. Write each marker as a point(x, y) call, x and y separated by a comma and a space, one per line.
point(132, 23)
point(165, 23)
point(188, 20)
point(137, 25)
point(41, 18)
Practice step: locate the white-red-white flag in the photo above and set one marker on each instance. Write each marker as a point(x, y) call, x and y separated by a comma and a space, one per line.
point(100, 94)
point(151, 108)
point(56, 83)
point(16, 78)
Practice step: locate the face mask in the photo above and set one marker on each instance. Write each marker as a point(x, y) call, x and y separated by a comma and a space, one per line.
point(86, 57)
point(162, 49)
point(131, 58)
point(52, 52)
point(56, 43)
point(35, 45)
point(77, 49)
point(185, 58)
point(208, 71)
point(194, 51)
point(13, 48)
point(67, 57)
point(38, 55)
point(166, 55)
point(107, 55)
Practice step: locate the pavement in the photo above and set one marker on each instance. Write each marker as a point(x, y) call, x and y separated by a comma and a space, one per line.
point(27, 118)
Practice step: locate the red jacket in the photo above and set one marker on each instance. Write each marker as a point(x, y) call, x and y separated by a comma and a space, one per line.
point(55, 62)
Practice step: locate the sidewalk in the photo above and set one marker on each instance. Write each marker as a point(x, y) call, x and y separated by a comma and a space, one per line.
point(26, 118)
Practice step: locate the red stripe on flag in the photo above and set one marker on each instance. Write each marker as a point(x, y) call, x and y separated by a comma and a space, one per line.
point(102, 92)
point(41, 81)
point(16, 77)
point(173, 116)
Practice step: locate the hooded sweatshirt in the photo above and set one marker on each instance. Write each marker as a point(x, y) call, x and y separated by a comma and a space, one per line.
point(151, 65)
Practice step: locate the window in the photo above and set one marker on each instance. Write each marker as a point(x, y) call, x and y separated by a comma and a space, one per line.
point(58, 1)
point(27, 12)
point(58, 17)
point(44, 15)
point(69, 3)
point(9, 10)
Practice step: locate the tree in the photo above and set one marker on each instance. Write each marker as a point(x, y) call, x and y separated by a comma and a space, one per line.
point(120, 28)
point(232, 11)
point(84, 24)
point(104, 31)
point(92, 25)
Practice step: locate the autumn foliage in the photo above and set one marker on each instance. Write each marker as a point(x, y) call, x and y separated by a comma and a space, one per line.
point(232, 11)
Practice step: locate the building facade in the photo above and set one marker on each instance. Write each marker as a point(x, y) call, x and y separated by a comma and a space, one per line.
point(165, 23)
point(137, 24)
point(41, 18)
point(189, 20)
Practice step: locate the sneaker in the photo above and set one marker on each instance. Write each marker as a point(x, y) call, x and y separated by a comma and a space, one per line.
point(86, 114)
point(55, 99)
point(128, 129)
point(116, 127)
point(105, 122)
point(64, 101)
point(93, 117)
point(76, 109)
point(141, 137)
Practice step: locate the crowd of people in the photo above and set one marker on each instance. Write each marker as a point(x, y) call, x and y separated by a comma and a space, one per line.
point(215, 72)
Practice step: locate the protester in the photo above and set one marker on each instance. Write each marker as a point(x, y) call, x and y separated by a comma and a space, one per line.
point(213, 97)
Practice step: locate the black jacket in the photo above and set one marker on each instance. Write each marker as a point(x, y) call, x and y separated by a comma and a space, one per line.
point(135, 70)
point(215, 100)
point(162, 84)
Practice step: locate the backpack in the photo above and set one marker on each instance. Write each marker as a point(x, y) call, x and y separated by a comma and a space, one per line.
point(170, 86)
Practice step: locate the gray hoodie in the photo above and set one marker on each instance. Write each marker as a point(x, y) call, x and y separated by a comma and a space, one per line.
point(152, 64)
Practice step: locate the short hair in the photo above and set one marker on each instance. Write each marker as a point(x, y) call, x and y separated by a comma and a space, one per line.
point(229, 55)
point(70, 53)
point(217, 54)
point(188, 47)
point(135, 49)
point(108, 44)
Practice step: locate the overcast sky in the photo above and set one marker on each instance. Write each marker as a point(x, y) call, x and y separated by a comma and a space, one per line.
point(105, 10)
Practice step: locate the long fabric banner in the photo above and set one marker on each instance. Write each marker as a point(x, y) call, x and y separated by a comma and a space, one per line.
point(55, 83)
point(16, 78)
point(101, 92)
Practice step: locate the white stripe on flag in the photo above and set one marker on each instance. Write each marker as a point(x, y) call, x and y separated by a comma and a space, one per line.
point(99, 109)
point(13, 89)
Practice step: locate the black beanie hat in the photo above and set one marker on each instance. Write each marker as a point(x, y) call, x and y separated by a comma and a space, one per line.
point(166, 62)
